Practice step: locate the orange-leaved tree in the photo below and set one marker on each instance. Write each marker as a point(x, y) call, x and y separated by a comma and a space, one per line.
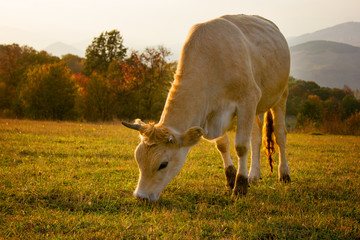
point(141, 83)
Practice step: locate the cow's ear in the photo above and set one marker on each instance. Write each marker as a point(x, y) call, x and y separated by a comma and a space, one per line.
point(191, 136)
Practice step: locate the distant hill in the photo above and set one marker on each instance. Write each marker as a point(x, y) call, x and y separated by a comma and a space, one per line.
point(60, 48)
point(346, 33)
point(9, 35)
point(329, 64)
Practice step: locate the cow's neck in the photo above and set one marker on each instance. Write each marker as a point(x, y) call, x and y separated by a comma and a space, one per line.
point(184, 106)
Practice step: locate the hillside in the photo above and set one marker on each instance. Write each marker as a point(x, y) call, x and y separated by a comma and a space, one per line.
point(60, 48)
point(327, 63)
point(346, 33)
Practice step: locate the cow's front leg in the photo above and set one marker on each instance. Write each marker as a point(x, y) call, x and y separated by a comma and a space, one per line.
point(245, 121)
point(222, 144)
point(241, 181)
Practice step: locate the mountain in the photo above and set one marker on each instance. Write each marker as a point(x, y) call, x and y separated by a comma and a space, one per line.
point(10, 35)
point(346, 33)
point(38, 41)
point(329, 64)
point(82, 45)
point(60, 48)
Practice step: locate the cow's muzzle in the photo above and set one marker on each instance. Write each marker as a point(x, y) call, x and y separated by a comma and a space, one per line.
point(153, 197)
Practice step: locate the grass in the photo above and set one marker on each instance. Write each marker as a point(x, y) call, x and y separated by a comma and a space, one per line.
point(62, 180)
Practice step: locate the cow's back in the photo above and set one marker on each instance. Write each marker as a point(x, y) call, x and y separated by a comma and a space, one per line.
point(269, 54)
point(237, 55)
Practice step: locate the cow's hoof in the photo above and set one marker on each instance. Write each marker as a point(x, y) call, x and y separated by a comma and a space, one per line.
point(230, 173)
point(254, 179)
point(241, 186)
point(285, 178)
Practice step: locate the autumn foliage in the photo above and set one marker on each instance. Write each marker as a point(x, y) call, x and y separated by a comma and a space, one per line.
point(320, 109)
point(103, 86)
point(48, 92)
point(112, 83)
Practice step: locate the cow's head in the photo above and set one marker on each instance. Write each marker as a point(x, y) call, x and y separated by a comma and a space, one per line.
point(160, 156)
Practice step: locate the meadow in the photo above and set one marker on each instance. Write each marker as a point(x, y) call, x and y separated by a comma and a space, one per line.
point(65, 180)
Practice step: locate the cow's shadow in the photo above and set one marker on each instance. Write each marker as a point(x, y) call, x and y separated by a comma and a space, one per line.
point(188, 200)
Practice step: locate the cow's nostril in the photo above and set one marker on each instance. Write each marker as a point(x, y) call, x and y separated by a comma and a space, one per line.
point(153, 197)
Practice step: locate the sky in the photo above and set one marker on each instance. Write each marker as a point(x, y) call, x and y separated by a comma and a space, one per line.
point(39, 23)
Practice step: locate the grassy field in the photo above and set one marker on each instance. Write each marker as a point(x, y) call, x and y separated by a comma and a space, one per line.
point(75, 181)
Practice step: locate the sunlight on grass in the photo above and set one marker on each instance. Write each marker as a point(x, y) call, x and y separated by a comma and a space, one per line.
point(75, 180)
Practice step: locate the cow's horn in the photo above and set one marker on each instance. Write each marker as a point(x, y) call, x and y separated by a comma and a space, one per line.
point(131, 125)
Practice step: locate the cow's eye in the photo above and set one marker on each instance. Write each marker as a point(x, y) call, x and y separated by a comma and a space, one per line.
point(163, 165)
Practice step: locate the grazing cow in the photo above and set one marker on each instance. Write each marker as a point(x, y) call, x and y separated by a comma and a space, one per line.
point(230, 66)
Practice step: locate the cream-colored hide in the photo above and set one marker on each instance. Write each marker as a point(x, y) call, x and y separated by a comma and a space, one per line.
point(232, 65)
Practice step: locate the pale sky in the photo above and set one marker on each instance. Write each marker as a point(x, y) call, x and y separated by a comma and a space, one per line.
point(39, 23)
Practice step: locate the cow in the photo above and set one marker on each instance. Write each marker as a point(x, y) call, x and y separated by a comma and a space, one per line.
point(234, 65)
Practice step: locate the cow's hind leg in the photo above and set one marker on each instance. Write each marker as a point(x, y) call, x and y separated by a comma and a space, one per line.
point(280, 138)
point(254, 173)
point(222, 144)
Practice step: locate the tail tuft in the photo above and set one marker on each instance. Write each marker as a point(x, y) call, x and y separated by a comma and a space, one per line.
point(268, 137)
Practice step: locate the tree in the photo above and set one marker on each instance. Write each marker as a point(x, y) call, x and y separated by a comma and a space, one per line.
point(339, 94)
point(353, 124)
point(332, 113)
point(142, 80)
point(81, 82)
point(75, 63)
point(348, 90)
point(330, 110)
point(49, 92)
point(293, 105)
point(310, 111)
point(127, 79)
point(350, 106)
point(324, 93)
point(14, 63)
point(102, 51)
point(99, 99)
point(299, 90)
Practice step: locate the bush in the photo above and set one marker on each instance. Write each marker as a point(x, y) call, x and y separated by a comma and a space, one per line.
point(310, 111)
point(48, 92)
point(99, 99)
point(350, 106)
point(353, 124)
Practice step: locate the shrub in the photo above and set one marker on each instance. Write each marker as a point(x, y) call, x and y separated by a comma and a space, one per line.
point(353, 124)
point(99, 99)
point(48, 92)
point(310, 111)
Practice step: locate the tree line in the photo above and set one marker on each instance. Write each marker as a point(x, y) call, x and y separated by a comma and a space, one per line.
point(111, 82)
point(108, 83)
point(328, 110)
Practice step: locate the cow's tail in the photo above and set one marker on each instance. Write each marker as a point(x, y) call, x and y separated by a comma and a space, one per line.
point(268, 137)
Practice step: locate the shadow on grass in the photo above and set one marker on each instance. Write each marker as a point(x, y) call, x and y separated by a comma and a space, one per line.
point(68, 199)
point(62, 155)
